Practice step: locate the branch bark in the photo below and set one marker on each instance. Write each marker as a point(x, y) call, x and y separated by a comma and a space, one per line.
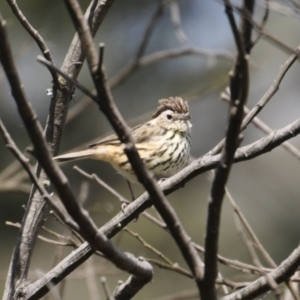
point(36, 206)
point(239, 92)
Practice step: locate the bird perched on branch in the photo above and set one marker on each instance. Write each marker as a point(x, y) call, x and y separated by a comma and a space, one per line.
point(163, 143)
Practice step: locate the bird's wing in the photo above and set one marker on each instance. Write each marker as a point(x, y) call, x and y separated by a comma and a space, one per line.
point(139, 134)
point(109, 140)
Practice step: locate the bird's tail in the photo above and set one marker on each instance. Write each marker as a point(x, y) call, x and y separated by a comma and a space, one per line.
point(75, 155)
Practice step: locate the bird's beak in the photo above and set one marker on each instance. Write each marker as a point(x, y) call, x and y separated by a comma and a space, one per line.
point(185, 117)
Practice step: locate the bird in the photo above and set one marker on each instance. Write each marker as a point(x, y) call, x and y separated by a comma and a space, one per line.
point(163, 143)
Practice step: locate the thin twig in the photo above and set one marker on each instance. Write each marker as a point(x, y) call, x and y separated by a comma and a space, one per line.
point(52, 67)
point(91, 280)
point(175, 267)
point(158, 56)
point(257, 122)
point(265, 99)
point(249, 246)
point(149, 30)
point(148, 246)
point(286, 269)
point(250, 231)
point(279, 44)
point(263, 23)
point(117, 195)
point(35, 35)
point(246, 268)
point(258, 245)
point(180, 295)
point(25, 164)
point(102, 183)
point(42, 238)
point(176, 21)
point(106, 289)
point(266, 129)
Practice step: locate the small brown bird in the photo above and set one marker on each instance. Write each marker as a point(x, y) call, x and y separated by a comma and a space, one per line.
point(163, 143)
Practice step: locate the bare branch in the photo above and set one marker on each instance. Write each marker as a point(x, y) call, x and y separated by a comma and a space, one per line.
point(267, 130)
point(239, 92)
point(265, 99)
point(36, 208)
point(87, 227)
point(144, 176)
point(158, 56)
point(132, 210)
point(246, 26)
point(285, 270)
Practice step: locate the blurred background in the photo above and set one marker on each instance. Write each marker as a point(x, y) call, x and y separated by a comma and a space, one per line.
point(266, 188)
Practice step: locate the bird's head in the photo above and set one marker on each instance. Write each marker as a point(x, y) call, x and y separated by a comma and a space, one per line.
point(173, 114)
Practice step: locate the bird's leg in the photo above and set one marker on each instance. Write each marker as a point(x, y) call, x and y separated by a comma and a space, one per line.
point(130, 189)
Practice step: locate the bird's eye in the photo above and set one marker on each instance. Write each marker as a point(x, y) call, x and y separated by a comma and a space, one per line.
point(169, 117)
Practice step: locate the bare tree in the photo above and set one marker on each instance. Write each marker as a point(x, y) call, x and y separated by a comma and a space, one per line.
point(200, 271)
